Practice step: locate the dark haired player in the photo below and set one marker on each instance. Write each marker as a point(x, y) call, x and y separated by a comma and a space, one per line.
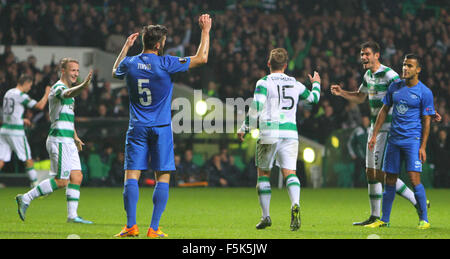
point(150, 88)
point(12, 133)
point(412, 109)
point(375, 84)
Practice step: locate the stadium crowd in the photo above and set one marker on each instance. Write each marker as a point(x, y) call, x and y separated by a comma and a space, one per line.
point(319, 35)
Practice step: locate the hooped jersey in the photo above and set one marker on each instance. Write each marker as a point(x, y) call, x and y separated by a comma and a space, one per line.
point(376, 86)
point(274, 107)
point(62, 115)
point(14, 104)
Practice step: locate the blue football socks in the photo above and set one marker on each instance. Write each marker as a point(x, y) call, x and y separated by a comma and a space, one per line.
point(160, 198)
point(419, 192)
point(130, 199)
point(388, 200)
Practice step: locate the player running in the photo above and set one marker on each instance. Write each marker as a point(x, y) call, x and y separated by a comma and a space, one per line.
point(12, 133)
point(375, 85)
point(412, 106)
point(150, 131)
point(273, 112)
point(63, 144)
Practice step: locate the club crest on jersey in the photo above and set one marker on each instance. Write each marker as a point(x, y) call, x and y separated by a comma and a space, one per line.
point(402, 107)
point(182, 60)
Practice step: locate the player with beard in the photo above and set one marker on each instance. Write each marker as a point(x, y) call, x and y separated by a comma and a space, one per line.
point(148, 79)
point(411, 103)
point(374, 85)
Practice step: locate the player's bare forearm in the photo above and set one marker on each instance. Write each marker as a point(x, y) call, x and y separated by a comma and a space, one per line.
point(201, 57)
point(381, 117)
point(426, 121)
point(76, 90)
point(122, 55)
point(356, 97)
point(78, 141)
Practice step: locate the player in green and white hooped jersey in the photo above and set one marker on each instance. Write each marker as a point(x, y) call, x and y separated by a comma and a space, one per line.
point(63, 143)
point(273, 112)
point(375, 84)
point(12, 132)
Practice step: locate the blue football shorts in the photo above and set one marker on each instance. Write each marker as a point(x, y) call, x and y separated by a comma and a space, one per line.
point(149, 143)
point(398, 152)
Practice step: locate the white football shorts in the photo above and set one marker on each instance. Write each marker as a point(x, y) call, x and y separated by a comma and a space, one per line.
point(64, 158)
point(374, 158)
point(18, 144)
point(284, 152)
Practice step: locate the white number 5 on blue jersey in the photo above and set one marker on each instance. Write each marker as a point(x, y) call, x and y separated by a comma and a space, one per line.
point(148, 100)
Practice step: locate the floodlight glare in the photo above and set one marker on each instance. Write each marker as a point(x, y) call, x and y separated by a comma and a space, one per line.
point(201, 107)
point(335, 142)
point(309, 155)
point(254, 133)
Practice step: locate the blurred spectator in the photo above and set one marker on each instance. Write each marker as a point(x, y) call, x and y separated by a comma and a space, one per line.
point(189, 172)
point(356, 146)
point(327, 123)
point(174, 176)
point(99, 165)
point(440, 153)
point(217, 173)
point(232, 172)
point(308, 125)
point(115, 41)
point(102, 111)
point(319, 35)
point(117, 173)
point(84, 104)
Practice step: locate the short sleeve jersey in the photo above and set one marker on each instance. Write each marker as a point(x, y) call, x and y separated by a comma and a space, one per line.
point(409, 104)
point(14, 104)
point(376, 85)
point(150, 86)
point(274, 105)
point(62, 114)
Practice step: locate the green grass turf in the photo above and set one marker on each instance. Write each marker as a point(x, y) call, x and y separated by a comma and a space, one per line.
point(209, 213)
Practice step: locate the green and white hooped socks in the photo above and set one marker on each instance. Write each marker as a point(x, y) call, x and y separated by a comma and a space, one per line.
point(293, 187)
point(405, 192)
point(45, 187)
point(73, 197)
point(264, 194)
point(375, 197)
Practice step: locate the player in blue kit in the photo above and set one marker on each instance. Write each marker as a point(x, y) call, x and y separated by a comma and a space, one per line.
point(413, 109)
point(147, 76)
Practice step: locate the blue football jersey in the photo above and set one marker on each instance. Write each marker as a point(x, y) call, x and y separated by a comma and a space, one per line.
point(409, 105)
point(150, 86)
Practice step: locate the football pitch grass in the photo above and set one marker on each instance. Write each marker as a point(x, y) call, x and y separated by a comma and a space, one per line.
point(215, 213)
